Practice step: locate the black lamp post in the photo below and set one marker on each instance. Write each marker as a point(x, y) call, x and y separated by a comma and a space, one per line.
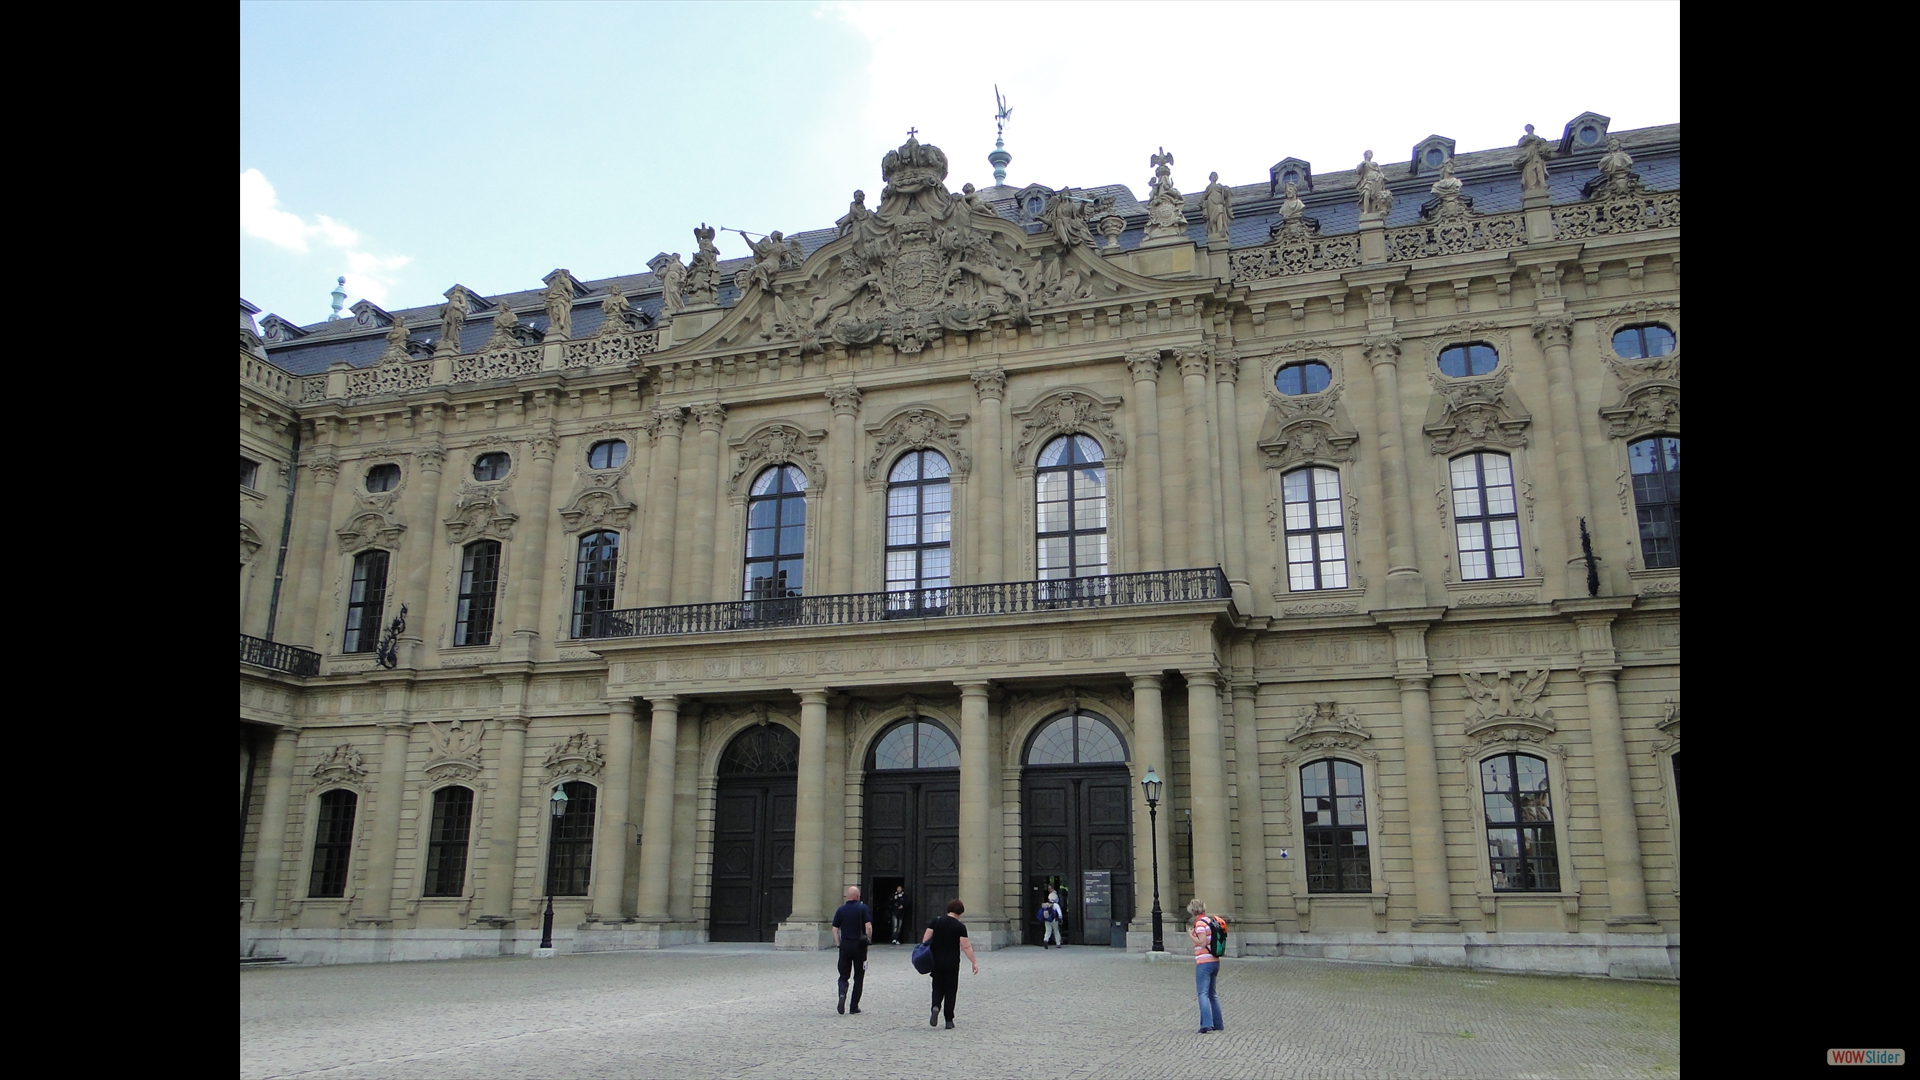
point(1152, 785)
point(557, 804)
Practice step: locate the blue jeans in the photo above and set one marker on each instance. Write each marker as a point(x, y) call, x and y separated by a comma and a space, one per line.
point(1205, 977)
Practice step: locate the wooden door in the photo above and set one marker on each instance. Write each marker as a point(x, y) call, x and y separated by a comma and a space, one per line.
point(752, 858)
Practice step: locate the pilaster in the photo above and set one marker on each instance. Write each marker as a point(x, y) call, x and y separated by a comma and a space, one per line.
point(990, 473)
point(1145, 367)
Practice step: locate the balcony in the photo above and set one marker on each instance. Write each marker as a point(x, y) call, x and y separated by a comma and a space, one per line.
point(277, 657)
point(1002, 598)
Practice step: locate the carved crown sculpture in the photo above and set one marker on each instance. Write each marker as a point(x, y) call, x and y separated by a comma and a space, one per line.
point(1507, 700)
point(579, 755)
point(455, 751)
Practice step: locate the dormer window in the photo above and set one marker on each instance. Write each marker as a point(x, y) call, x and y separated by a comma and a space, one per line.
point(1435, 156)
point(1589, 134)
point(383, 478)
point(1035, 204)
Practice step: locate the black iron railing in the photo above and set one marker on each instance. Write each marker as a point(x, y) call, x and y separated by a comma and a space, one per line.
point(1002, 598)
point(278, 657)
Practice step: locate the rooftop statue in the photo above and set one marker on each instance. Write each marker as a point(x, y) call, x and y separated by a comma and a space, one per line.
point(673, 278)
point(1616, 173)
point(560, 306)
point(1218, 202)
point(453, 319)
point(614, 307)
point(703, 277)
point(1066, 217)
point(1294, 224)
point(1372, 186)
point(975, 203)
point(1166, 209)
point(1532, 163)
point(771, 254)
point(1446, 201)
point(856, 218)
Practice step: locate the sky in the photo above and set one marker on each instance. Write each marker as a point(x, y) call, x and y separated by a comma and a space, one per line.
point(412, 146)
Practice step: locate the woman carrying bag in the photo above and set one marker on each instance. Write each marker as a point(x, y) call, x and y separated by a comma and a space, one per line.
point(945, 940)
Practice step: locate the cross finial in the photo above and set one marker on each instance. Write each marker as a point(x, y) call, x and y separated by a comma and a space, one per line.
point(912, 131)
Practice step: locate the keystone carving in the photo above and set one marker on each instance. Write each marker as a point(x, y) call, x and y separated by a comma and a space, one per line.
point(599, 500)
point(916, 429)
point(343, 766)
point(1506, 700)
point(1328, 718)
point(455, 752)
point(370, 528)
point(1307, 427)
point(578, 756)
point(479, 513)
point(780, 444)
point(1067, 412)
point(1478, 412)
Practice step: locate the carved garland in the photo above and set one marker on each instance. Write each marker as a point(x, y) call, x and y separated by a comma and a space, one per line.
point(343, 766)
point(917, 429)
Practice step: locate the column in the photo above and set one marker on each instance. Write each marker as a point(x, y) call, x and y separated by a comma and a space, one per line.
point(663, 485)
point(989, 472)
point(1253, 823)
point(610, 840)
point(656, 825)
point(1207, 774)
point(530, 548)
point(1226, 376)
point(1405, 586)
point(418, 550)
point(1433, 899)
point(809, 826)
point(976, 799)
point(1152, 521)
point(503, 832)
point(392, 787)
point(1612, 782)
point(271, 846)
point(1555, 333)
point(1150, 752)
point(318, 507)
point(711, 418)
point(1200, 520)
point(846, 446)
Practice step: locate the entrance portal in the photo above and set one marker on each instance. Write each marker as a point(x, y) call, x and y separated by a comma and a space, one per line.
point(1078, 799)
point(913, 823)
point(753, 835)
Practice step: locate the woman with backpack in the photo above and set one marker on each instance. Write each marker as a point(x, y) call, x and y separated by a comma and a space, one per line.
point(1209, 936)
point(1050, 921)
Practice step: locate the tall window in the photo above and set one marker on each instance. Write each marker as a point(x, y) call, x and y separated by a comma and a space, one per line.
point(479, 580)
point(1519, 824)
point(1076, 739)
point(447, 842)
point(916, 745)
point(332, 844)
point(593, 579)
point(1071, 505)
point(570, 848)
point(919, 531)
point(1485, 520)
point(1316, 531)
point(1335, 824)
point(1655, 464)
point(365, 601)
point(776, 534)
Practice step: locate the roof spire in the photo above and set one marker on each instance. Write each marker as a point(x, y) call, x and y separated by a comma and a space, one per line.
point(999, 158)
point(339, 299)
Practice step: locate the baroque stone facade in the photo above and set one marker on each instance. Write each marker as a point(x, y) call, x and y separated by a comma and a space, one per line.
point(725, 550)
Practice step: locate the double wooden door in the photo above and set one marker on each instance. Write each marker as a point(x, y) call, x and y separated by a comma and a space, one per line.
point(752, 857)
point(913, 839)
point(1078, 821)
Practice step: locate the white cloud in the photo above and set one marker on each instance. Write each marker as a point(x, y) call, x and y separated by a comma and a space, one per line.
point(369, 276)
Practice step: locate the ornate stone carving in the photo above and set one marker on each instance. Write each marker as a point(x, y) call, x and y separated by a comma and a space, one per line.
point(1217, 202)
point(600, 499)
point(505, 362)
point(396, 351)
point(1144, 365)
point(1166, 207)
point(479, 513)
point(455, 752)
point(1649, 389)
point(1552, 330)
point(976, 203)
point(453, 319)
point(1475, 412)
point(844, 400)
point(1226, 366)
point(395, 372)
point(577, 756)
point(1111, 226)
point(1616, 177)
point(1381, 348)
point(990, 384)
point(672, 276)
point(369, 528)
point(559, 301)
point(916, 429)
point(771, 254)
point(1194, 361)
point(1324, 607)
point(671, 419)
point(711, 416)
point(1532, 163)
point(1371, 184)
point(1067, 214)
point(1635, 212)
point(703, 277)
point(1511, 738)
point(250, 543)
point(343, 766)
point(780, 444)
point(1450, 227)
point(1307, 428)
point(1328, 718)
point(857, 219)
point(1506, 700)
point(1066, 412)
point(1498, 599)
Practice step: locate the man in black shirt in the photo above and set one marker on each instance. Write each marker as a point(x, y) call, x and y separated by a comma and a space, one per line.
point(948, 937)
point(900, 930)
point(852, 932)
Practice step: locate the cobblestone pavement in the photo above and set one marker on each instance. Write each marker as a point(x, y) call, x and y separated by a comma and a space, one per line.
point(747, 1011)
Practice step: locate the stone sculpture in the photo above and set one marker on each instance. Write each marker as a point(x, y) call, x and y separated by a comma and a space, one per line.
point(453, 319)
point(975, 203)
point(1446, 202)
point(1616, 174)
point(673, 278)
point(1532, 163)
point(397, 338)
point(560, 306)
point(703, 277)
point(856, 217)
point(615, 307)
point(1066, 218)
point(1218, 202)
point(772, 254)
point(1372, 186)
point(1166, 209)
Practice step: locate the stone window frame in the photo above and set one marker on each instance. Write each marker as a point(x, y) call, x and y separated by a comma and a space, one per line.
point(1033, 505)
point(1029, 419)
point(399, 477)
point(346, 600)
point(513, 465)
point(1530, 570)
point(1555, 755)
point(1365, 828)
point(499, 608)
point(592, 444)
point(956, 495)
point(249, 473)
point(1290, 361)
point(753, 460)
point(1633, 513)
point(1349, 533)
point(544, 874)
point(424, 839)
point(620, 562)
point(809, 529)
point(1290, 766)
point(309, 842)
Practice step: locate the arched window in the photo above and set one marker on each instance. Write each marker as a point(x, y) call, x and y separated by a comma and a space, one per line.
point(1486, 521)
point(916, 744)
point(1474, 358)
point(594, 575)
point(769, 748)
point(479, 581)
point(447, 841)
point(1308, 378)
point(570, 847)
point(1316, 530)
point(1643, 342)
point(610, 454)
point(1071, 508)
point(776, 534)
point(1655, 464)
point(1519, 824)
point(1334, 824)
point(333, 844)
point(365, 602)
point(919, 532)
point(1077, 738)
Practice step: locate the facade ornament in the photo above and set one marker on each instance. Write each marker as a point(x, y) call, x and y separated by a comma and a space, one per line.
point(1111, 226)
point(845, 400)
point(453, 319)
point(990, 384)
point(771, 254)
point(975, 203)
point(1226, 366)
point(559, 300)
point(703, 277)
point(343, 766)
point(508, 331)
point(250, 543)
point(855, 221)
point(1218, 202)
point(1194, 361)
point(916, 429)
point(1532, 163)
point(1381, 349)
point(577, 756)
point(1507, 700)
point(1294, 226)
point(1144, 365)
point(478, 514)
point(1372, 186)
point(1616, 178)
point(1066, 217)
point(672, 276)
point(1482, 411)
point(1553, 330)
point(600, 498)
point(711, 416)
point(1328, 718)
point(1307, 428)
point(1166, 207)
point(1511, 737)
point(671, 418)
point(396, 350)
point(780, 444)
point(1447, 204)
point(615, 313)
point(1067, 412)
point(454, 753)
point(370, 528)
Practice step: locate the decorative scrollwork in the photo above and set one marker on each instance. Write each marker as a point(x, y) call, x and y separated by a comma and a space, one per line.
point(387, 654)
point(1634, 213)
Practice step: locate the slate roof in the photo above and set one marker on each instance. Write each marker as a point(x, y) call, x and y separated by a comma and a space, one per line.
point(1488, 176)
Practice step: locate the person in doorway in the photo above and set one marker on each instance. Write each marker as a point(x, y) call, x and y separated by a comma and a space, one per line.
point(1050, 916)
point(852, 933)
point(948, 936)
point(900, 931)
point(1206, 967)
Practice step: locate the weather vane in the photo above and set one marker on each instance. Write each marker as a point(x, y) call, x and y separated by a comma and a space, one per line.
point(999, 158)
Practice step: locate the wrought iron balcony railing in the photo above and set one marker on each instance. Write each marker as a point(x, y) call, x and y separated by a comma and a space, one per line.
point(277, 657)
point(1002, 598)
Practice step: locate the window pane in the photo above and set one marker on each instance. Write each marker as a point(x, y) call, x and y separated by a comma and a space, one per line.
point(895, 749)
point(937, 749)
point(1052, 487)
point(793, 511)
point(1659, 341)
point(1053, 453)
point(1318, 376)
point(934, 465)
point(907, 468)
point(1052, 517)
point(1053, 552)
point(765, 482)
point(902, 500)
point(1098, 742)
point(1090, 513)
point(936, 498)
point(1054, 744)
point(1497, 468)
point(763, 514)
point(1090, 554)
point(793, 540)
point(759, 542)
point(937, 529)
point(1328, 512)
point(1086, 449)
point(901, 567)
point(1294, 486)
point(900, 531)
point(936, 563)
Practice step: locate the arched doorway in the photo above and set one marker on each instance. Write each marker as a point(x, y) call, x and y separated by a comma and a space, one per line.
point(1078, 799)
point(913, 821)
point(753, 834)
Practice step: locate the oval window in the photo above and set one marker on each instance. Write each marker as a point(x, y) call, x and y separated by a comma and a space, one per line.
point(491, 466)
point(607, 455)
point(1589, 135)
point(1474, 358)
point(383, 478)
point(1308, 378)
point(1642, 342)
point(1290, 178)
point(1435, 156)
point(1035, 205)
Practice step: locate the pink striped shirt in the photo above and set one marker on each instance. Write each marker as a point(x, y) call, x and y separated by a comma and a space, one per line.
point(1202, 935)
